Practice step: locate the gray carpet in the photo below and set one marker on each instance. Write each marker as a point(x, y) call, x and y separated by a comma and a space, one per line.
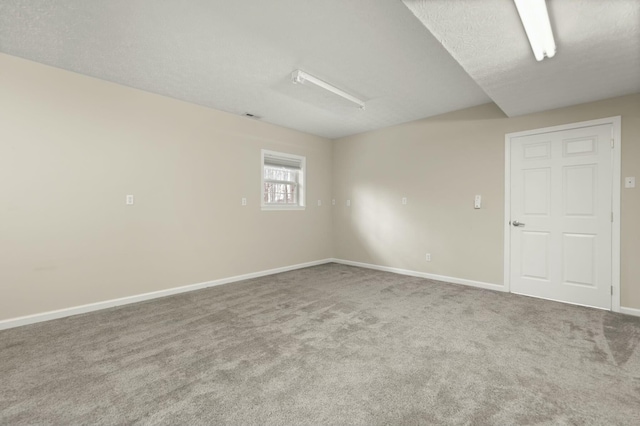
point(331, 344)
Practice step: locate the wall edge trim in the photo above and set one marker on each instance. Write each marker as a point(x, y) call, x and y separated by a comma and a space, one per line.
point(630, 311)
point(127, 300)
point(453, 280)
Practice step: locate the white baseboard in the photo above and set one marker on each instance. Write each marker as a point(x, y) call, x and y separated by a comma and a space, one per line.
point(479, 284)
point(61, 313)
point(630, 311)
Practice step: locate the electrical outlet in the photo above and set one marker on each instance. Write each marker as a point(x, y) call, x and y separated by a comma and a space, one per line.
point(319, 203)
point(129, 200)
point(404, 200)
point(244, 201)
point(428, 257)
point(333, 202)
point(348, 203)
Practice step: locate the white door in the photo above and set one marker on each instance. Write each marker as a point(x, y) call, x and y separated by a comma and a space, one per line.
point(561, 214)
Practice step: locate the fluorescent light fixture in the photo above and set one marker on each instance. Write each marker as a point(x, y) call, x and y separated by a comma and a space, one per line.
point(535, 20)
point(299, 76)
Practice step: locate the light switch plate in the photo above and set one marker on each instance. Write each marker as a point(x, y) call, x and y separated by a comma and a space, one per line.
point(129, 200)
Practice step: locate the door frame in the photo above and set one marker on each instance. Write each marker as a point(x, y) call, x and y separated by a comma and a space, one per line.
point(615, 198)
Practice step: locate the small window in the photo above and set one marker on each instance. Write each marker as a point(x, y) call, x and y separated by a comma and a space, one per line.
point(282, 181)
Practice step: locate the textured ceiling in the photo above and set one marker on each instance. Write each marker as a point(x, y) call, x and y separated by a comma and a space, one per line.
point(237, 56)
point(598, 50)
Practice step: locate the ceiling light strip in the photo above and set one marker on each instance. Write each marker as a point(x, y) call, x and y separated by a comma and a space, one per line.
point(535, 19)
point(299, 76)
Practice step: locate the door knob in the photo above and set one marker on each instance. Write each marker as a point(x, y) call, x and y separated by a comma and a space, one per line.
point(516, 223)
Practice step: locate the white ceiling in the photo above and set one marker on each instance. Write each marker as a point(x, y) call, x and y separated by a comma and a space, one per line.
point(237, 56)
point(598, 50)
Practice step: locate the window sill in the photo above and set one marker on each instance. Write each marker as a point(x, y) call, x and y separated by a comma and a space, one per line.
point(276, 208)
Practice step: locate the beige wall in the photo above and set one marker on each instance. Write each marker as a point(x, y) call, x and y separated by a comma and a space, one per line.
point(439, 164)
point(72, 147)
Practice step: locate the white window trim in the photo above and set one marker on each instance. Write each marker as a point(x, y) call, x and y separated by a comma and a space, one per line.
point(302, 184)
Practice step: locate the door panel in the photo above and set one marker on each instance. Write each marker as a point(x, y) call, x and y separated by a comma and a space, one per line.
point(561, 188)
point(535, 255)
point(536, 190)
point(579, 259)
point(580, 190)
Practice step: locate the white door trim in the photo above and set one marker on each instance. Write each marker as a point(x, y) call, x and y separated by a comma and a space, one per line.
point(615, 207)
